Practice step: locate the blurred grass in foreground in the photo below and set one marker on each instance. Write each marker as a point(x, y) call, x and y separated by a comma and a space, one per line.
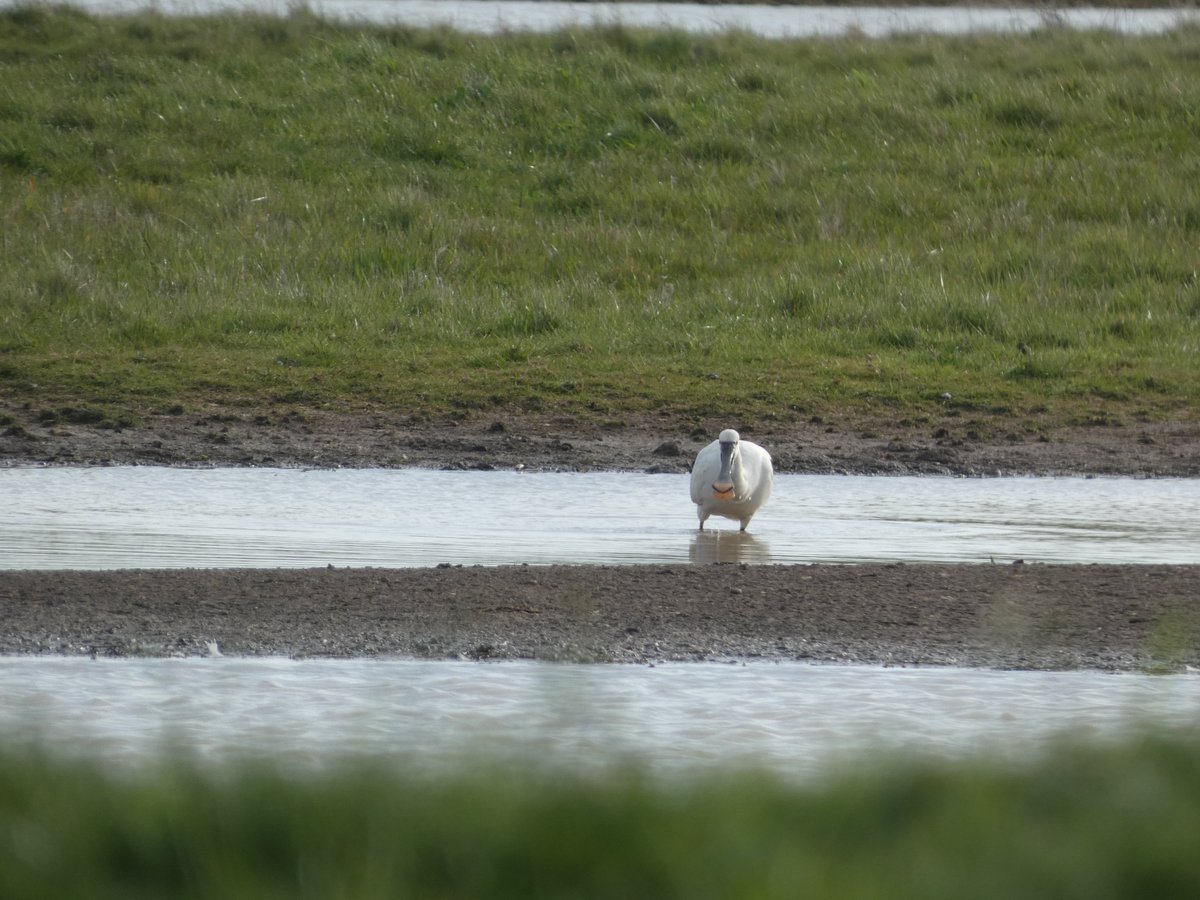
point(1093, 823)
point(252, 210)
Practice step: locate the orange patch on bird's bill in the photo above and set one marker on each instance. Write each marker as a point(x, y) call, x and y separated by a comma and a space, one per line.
point(723, 495)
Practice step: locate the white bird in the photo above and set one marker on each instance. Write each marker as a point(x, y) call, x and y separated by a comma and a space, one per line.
point(731, 478)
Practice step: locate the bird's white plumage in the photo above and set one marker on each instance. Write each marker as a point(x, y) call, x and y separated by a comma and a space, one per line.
point(731, 478)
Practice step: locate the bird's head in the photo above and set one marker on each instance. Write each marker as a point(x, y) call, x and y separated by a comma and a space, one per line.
point(723, 486)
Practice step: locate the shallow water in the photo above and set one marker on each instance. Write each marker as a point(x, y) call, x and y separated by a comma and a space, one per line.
point(795, 719)
point(763, 20)
point(150, 517)
point(799, 720)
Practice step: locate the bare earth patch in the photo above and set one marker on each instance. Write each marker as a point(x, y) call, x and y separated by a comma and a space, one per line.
point(280, 436)
point(1013, 616)
point(1113, 618)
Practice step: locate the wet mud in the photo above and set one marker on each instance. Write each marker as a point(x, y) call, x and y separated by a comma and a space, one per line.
point(1111, 618)
point(1108, 618)
point(279, 436)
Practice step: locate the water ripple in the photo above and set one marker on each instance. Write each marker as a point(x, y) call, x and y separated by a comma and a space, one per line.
point(147, 517)
point(799, 720)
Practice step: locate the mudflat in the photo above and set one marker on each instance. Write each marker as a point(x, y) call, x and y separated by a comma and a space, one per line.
point(1111, 618)
point(282, 436)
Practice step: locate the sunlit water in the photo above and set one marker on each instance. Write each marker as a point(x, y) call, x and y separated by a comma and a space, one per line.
point(149, 517)
point(798, 720)
point(763, 20)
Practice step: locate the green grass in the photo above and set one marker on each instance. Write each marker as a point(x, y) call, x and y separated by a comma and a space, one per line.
point(246, 210)
point(1098, 823)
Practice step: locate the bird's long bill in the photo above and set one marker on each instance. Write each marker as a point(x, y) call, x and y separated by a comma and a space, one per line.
point(723, 486)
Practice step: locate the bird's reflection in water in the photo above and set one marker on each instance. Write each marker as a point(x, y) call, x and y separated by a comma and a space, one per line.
point(721, 546)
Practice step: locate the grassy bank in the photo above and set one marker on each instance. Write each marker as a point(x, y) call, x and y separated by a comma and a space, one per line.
point(1091, 824)
point(608, 223)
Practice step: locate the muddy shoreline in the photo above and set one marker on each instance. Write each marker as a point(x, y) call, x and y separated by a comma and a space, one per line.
point(1100, 617)
point(282, 436)
point(1109, 618)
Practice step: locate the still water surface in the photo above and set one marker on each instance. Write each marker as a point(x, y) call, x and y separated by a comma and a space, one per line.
point(484, 16)
point(798, 720)
point(149, 517)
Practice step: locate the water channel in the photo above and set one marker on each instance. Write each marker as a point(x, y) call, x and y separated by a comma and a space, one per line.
point(156, 517)
point(796, 719)
point(780, 22)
